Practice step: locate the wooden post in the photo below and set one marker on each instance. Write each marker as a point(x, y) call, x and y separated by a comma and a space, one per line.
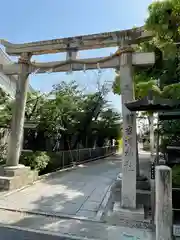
point(163, 217)
point(128, 195)
point(17, 125)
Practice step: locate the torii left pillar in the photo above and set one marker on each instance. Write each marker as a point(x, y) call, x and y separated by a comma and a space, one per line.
point(15, 175)
point(17, 125)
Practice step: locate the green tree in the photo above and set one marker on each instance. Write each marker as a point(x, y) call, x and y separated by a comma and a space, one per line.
point(5, 117)
point(67, 116)
point(67, 112)
point(108, 125)
point(164, 22)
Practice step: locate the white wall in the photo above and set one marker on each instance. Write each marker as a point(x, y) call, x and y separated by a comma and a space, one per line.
point(8, 83)
point(143, 124)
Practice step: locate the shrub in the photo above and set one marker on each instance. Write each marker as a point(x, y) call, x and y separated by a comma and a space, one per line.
point(176, 175)
point(3, 151)
point(120, 144)
point(36, 160)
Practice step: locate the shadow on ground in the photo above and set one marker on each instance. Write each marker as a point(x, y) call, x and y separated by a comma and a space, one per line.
point(67, 193)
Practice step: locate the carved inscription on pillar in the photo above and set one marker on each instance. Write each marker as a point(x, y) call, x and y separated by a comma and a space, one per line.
point(129, 163)
point(128, 151)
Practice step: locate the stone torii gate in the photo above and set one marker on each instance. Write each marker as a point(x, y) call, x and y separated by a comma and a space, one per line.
point(125, 58)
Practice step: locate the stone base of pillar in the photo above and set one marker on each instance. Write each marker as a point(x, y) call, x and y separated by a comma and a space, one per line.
point(16, 177)
point(115, 214)
point(131, 215)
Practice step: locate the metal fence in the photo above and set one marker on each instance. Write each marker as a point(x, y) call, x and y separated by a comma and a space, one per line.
point(70, 158)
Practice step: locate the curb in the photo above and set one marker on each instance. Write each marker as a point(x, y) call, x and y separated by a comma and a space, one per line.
point(48, 215)
point(103, 206)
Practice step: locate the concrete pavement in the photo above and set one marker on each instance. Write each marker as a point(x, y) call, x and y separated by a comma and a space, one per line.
point(24, 234)
point(79, 192)
point(68, 228)
point(68, 205)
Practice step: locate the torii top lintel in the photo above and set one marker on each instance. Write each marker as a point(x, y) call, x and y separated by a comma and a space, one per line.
point(93, 41)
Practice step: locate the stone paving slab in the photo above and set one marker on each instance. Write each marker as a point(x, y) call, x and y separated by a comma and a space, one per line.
point(74, 227)
point(79, 192)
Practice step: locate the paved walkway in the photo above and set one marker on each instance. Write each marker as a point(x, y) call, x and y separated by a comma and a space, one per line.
point(66, 229)
point(69, 197)
point(79, 192)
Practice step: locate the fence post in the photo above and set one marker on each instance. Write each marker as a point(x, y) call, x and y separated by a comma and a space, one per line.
point(106, 150)
point(163, 216)
point(63, 159)
point(79, 157)
point(90, 152)
point(153, 192)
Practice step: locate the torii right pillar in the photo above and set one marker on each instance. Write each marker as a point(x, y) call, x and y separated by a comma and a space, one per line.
point(128, 60)
point(128, 191)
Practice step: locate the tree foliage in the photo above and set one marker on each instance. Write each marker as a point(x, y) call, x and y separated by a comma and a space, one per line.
point(66, 118)
point(164, 22)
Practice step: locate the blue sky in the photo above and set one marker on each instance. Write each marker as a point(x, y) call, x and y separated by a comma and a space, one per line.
point(24, 21)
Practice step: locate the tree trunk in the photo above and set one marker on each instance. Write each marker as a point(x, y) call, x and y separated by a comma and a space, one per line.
point(153, 197)
point(151, 132)
point(157, 146)
point(137, 160)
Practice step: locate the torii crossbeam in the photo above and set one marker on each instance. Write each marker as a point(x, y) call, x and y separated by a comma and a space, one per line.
point(78, 43)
